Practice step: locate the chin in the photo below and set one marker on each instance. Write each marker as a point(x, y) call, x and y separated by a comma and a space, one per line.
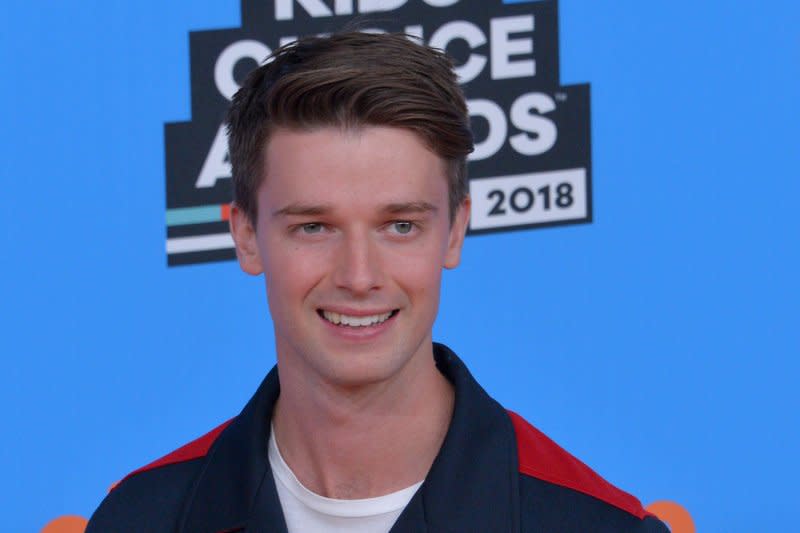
point(359, 367)
point(365, 370)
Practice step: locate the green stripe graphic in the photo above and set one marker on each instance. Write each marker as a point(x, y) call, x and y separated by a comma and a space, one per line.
point(193, 215)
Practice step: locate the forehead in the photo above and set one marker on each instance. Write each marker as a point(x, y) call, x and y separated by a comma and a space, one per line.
point(350, 168)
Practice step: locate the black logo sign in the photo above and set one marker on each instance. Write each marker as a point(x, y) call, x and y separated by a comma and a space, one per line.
point(532, 161)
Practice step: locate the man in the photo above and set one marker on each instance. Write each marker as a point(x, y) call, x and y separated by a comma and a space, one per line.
point(350, 196)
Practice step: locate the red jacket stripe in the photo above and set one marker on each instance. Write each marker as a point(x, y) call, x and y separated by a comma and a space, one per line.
point(193, 450)
point(542, 458)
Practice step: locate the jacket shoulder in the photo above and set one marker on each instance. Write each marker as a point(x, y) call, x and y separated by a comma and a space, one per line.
point(151, 498)
point(557, 488)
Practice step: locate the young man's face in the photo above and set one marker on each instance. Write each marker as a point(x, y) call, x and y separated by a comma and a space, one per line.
point(353, 232)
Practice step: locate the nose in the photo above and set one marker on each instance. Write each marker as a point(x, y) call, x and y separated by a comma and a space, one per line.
point(358, 265)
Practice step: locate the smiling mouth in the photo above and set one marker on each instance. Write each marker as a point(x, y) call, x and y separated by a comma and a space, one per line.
point(339, 319)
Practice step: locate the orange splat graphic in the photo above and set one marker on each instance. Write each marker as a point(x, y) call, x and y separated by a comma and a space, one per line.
point(66, 524)
point(678, 518)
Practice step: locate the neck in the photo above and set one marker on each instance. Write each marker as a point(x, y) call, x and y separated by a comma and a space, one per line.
point(363, 441)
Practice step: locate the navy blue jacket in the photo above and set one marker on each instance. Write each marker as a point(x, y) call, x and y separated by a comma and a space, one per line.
point(495, 473)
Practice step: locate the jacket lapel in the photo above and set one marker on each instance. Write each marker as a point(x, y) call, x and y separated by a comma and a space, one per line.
point(236, 483)
point(473, 484)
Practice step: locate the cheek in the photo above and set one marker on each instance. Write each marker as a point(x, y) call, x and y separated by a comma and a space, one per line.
point(418, 274)
point(291, 271)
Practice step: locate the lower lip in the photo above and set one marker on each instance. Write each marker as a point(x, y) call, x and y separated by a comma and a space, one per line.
point(360, 333)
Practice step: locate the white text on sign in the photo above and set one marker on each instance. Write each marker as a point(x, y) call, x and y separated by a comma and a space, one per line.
point(533, 198)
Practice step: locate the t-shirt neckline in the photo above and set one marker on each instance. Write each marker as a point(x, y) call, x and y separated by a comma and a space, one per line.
point(384, 504)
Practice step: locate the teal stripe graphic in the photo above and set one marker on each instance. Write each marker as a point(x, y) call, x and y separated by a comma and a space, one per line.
point(193, 215)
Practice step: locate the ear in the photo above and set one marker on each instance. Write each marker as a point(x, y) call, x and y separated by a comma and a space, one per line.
point(244, 236)
point(458, 229)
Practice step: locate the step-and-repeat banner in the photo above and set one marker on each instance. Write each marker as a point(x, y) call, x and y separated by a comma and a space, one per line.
point(628, 278)
point(531, 164)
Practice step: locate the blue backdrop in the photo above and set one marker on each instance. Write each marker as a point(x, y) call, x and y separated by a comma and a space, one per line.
point(660, 343)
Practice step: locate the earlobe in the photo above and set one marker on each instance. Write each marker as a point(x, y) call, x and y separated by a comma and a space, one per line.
point(244, 237)
point(458, 230)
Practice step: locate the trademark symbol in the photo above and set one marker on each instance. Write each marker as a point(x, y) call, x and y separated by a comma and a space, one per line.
point(560, 97)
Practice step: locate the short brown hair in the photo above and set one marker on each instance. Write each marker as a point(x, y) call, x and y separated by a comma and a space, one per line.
point(350, 80)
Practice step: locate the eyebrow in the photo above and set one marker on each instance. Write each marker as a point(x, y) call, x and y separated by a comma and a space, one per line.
point(411, 207)
point(302, 210)
point(398, 208)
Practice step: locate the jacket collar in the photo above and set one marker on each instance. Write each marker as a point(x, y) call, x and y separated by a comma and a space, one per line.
point(472, 484)
point(236, 473)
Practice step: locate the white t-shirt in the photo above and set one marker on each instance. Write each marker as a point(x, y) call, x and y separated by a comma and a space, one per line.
point(308, 512)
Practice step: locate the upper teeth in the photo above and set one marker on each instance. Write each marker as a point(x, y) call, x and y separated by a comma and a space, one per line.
point(348, 320)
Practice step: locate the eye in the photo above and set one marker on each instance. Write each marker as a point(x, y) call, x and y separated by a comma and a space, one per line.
point(311, 228)
point(403, 227)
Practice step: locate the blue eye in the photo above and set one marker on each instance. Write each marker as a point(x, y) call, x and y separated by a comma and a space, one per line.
point(312, 228)
point(403, 227)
